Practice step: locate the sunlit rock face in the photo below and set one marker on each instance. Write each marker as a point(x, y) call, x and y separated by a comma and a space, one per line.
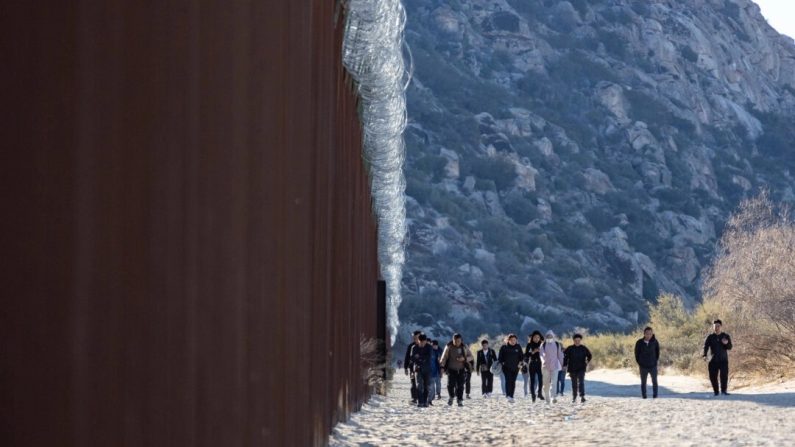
point(585, 154)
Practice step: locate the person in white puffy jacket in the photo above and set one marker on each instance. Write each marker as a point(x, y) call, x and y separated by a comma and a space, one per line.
point(551, 362)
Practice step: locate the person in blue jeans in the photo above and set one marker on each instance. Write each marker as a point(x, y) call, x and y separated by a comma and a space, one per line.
point(435, 389)
point(560, 387)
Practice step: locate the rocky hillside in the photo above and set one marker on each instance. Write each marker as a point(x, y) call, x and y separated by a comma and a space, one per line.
point(570, 160)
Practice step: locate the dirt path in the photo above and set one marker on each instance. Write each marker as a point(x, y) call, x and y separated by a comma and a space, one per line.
point(685, 414)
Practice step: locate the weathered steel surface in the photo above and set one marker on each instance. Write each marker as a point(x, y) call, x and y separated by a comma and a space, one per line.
point(188, 248)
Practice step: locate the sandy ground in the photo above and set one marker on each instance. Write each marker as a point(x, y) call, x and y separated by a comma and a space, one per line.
point(685, 414)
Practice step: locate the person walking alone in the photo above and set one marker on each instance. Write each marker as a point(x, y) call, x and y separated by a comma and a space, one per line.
point(407, 367)
point(421, 355)
point(455, 361)
point(532, 356)
point(510, 357)
point(647, 353)
point(551, 353)
point(718, 343)
point(576, 358)
point(486, 358)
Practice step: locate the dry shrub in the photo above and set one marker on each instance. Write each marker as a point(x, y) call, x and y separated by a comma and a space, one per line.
point(374, 365)
point(680, 333)
point(753, 280)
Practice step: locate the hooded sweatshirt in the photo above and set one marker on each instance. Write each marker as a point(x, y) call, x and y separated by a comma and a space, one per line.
point(551, 354)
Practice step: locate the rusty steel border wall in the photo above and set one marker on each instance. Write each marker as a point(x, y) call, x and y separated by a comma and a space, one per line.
point(189, 255)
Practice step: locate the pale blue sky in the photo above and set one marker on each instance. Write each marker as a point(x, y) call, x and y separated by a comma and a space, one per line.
point(780, 14)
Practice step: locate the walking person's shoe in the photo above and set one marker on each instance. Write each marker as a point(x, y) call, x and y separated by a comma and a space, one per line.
point(438, 396)
point(725, 393)
point(582, 399)
point(541, 397)
point(468, 397)
point(643, 396)
point(574, 400)
point(450, 401)
point(534, 399)
point(460, 403)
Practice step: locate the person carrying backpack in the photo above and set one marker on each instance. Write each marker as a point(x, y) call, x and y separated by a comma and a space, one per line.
point(647, 353)
point(551, 353)
point(455, 361)
point(576, 358)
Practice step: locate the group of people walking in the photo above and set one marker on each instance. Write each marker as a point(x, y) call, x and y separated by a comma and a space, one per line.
point(543, 363)
point(543, 359)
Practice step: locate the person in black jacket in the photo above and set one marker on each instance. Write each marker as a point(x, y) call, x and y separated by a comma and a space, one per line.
point(407, 367)
point(719, 343)
point(532, 357)
point(510, 356)
point(576, 358)
point(486, 358)
point(421, 354)
point(647, 353)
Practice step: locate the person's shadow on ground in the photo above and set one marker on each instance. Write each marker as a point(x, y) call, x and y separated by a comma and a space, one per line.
point(610, 390)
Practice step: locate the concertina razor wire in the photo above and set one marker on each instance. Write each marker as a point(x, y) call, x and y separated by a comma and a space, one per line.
point(372, 52)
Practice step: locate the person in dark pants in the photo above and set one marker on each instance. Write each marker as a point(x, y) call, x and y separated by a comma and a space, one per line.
point(407, 367)
point(647, 353)
point(468, 380)
point(436, 373)
point(718, 343)
point(455, 360)
point(421, 355)
point(485, 358)
point(510, 356)
point(532, 357)
point(576, 358)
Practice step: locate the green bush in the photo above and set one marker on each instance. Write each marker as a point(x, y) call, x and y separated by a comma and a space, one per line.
point(520, 210)
point(680, 333)
point(502, 172)
point(601, 219)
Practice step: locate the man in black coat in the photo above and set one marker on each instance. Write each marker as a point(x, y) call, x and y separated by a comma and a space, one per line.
point(576, 357)
point(486, 358)
point(421, 354)
point(719, 343)
point(407, 367)
point(647, 353)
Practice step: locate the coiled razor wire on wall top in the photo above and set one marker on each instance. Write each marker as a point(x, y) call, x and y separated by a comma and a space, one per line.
point(372, 52)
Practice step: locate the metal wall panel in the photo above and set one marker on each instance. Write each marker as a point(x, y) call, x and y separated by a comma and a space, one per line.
point(188, 247)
